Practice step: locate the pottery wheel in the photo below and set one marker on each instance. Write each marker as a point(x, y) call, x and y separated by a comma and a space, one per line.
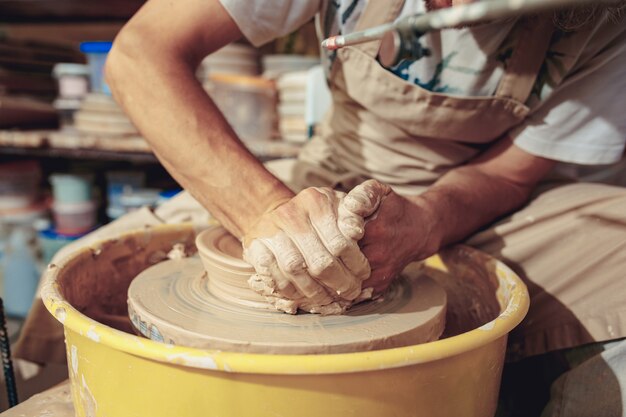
point(171, 302)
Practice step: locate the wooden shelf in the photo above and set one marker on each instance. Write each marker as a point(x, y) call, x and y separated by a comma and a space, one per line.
point(91, 154)
point(73, 145)
point(20, 11)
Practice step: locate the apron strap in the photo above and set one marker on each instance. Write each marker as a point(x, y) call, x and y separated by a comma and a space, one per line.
point(377, 12)
point(531, 45)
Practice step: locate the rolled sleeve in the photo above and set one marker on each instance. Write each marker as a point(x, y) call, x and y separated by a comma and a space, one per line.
point(583, 120)
point(265, 20)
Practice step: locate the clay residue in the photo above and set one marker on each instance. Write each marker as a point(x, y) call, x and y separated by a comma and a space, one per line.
point(96, 284)
point(55, 402)
point(471, 283)
point(178, 252)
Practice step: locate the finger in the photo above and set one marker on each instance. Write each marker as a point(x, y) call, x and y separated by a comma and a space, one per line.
point(365, 198)
point(266, 286)
point(321, 264)
point(324, 219)
point(293, 267)
point(260, 284)
point(351, 225)
point(264, 262)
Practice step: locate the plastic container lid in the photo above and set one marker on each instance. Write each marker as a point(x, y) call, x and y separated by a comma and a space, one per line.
point(52, 234)
point(74, 208)
point(63, 68)
point(242, 81)
point(96, 47)
point(140, 197)
point(167, 194)
point(72, 179)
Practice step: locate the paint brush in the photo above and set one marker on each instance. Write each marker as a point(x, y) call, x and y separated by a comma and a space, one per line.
point(451, 17)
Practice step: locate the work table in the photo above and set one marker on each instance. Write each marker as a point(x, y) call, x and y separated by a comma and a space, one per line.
point(54, 402)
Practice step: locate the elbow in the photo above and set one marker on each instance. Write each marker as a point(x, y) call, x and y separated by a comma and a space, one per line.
point(124, 57)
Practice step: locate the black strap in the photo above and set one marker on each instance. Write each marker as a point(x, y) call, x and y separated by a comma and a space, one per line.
point(7, 364)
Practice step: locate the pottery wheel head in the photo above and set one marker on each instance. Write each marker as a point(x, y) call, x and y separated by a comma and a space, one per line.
point(174, 302)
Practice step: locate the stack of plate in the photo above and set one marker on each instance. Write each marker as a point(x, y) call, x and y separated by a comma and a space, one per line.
point(231, 59)
point(276, 65)
point(292, 96)
point(100, 114)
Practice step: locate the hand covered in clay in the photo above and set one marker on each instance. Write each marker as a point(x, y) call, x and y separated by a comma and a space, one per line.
point(303, 257)
point(393, 234)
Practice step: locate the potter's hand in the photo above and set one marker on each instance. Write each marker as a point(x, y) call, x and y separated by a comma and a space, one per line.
point(302, 257)
point(393, 234)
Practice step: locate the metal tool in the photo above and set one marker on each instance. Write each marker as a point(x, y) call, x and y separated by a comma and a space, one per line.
point(401, 39)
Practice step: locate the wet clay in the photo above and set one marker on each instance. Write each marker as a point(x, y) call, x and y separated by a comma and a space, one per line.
point(173, 302)
point(221, 255)
point(318, 272)
point(96, 280)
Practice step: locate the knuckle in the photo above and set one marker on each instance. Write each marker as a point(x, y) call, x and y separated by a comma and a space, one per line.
point(308, 193)
point(293, 264)
point(315, 197)
point(338, 245)
point(286, 210)
point(320, 264)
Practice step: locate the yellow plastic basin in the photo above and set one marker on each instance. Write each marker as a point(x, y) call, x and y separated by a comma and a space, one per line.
point(117, 374)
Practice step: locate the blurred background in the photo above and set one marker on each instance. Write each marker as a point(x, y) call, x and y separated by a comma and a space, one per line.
point(70, 159)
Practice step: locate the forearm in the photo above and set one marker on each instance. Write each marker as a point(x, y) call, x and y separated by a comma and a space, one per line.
point(466, 199)
point(472, 196)
point(157, 88)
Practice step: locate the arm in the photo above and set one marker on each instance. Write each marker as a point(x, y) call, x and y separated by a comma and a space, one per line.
point(465, 199)
point(293, 242)
point(151, 72)
point(471, 196)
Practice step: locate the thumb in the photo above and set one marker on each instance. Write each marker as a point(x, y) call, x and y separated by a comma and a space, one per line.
point(360, 203)
point(365, 198)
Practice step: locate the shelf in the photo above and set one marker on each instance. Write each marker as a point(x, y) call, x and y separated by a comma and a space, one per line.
point(92, 154)
point(73, 145)
point(16, 11)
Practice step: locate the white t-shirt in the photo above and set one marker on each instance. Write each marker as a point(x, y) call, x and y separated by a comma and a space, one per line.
point(581, 120)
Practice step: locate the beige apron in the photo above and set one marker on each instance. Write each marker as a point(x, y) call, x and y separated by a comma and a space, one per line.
point(383, 127)
point(569, 244)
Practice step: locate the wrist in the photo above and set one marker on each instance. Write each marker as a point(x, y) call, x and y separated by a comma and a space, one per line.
point(272, 197)
point(426, 220)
